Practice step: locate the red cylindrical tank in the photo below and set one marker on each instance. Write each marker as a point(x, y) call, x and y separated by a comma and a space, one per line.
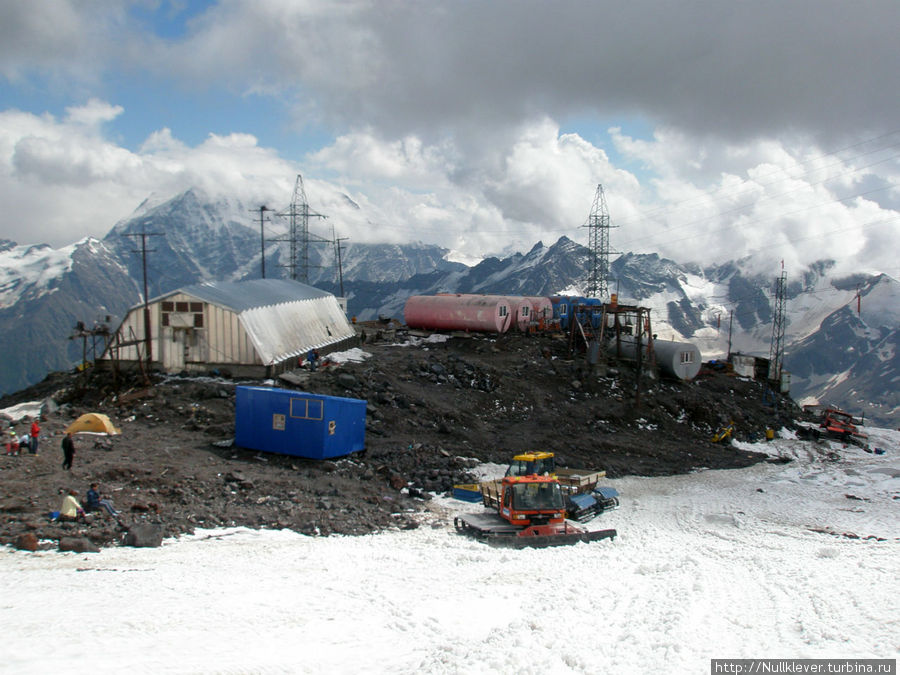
point(521, 309)
point(490, 313)
point(541, 311)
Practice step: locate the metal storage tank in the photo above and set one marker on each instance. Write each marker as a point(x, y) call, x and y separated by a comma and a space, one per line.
point(297, 423)
point(541, 310)
point(677, 359)
point(490, 313)
point(521, 309)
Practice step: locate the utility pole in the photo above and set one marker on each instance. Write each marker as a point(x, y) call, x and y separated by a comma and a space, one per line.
point(262, 238)
point(337, 256)
point(143, 251)
point(598, 244)
point(298, 236)
point(730, 324)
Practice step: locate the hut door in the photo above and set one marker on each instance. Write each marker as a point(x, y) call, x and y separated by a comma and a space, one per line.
point(179, 347)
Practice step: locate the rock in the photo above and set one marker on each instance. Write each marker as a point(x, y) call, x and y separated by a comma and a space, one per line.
point(26, 542)
point(143, 536)
point(78, 545)
point(347, 381)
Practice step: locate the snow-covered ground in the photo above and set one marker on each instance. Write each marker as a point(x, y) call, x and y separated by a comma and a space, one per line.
point(715, 564)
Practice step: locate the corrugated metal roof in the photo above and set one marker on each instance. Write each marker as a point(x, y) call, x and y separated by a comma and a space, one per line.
point(240, 296)
point(292, 329)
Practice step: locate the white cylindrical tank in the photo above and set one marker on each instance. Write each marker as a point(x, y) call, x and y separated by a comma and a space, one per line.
point(677, 359)
point(681, 360)
point(490, 313)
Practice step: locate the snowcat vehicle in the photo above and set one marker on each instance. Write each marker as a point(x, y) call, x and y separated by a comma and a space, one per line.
point(525, 511)
point(583, 498)
point(841, 425)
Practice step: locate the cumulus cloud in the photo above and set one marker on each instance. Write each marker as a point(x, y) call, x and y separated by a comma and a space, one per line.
point(447, 121)
point(727, 69)
point(62, 179)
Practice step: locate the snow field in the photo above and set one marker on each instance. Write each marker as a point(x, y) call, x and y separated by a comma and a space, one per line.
point(705, 566)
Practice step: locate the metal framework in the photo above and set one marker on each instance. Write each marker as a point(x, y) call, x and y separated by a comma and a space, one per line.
point(776, 350)
point(598, 243)
point(298, 235)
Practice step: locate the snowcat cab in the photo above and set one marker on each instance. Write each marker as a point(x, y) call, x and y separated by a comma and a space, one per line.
point(530, 463)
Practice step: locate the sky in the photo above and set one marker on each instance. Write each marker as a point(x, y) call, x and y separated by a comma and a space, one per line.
point(717, 130)
point(779, 560)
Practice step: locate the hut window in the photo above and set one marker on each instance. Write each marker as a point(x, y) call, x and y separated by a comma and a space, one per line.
point(168, 306)
point(196, 306)
point(687, 357)
point(306, 408)
point(198, 320)
point(181, 306)
point(165, 318)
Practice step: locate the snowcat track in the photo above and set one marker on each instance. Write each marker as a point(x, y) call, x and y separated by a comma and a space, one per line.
point(510, 538)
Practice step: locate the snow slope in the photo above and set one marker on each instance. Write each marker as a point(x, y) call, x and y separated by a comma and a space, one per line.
point(716, 564)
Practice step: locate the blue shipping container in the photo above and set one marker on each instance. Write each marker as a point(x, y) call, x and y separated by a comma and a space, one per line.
point(300, 424)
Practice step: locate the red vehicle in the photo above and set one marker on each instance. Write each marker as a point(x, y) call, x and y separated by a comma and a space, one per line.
point(842, 426)
point(525, 511)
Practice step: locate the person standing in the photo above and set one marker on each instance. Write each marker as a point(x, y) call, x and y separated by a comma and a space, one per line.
point(35, 430)
point(68, 447)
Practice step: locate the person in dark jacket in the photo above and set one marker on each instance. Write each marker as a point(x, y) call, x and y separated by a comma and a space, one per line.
point(93, 502)
point(68, 447)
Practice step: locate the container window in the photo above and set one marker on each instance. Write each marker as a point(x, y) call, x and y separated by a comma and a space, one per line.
point(687, 357)
point(563, 310)
point(502, 310)
point(306, 408)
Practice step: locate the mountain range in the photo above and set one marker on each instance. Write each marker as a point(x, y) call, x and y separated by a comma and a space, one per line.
point(835, 353)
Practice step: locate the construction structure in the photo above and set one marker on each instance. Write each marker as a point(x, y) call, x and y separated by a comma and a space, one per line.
point(776, 349)
point(298, 235)
point(256, 328)
point(598, 243)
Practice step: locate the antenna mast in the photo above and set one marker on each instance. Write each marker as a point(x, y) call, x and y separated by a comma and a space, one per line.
point(598, 244)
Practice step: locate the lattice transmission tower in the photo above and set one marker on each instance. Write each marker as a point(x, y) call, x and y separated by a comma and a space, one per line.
point(598, 243)
point(776, 350)
point(298, 235)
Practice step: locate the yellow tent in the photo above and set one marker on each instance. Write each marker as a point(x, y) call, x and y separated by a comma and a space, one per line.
point(94, 423)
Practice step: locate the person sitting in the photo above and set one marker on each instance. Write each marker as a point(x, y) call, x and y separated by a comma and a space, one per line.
point(95, 503)
point(70, 508)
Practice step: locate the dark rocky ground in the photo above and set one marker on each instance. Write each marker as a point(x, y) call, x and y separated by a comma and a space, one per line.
point(434, 411)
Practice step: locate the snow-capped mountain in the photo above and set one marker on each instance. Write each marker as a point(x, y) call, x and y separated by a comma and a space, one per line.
point(44, 293)
point(832, 353)
point(852, 359)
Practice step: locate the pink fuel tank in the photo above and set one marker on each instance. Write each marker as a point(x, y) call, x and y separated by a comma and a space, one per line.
point(541, 310)
point(489, 313)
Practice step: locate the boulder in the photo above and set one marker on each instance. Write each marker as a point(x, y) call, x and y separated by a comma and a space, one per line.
point(143, 536)
point(26, 542)
point(78, 545)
